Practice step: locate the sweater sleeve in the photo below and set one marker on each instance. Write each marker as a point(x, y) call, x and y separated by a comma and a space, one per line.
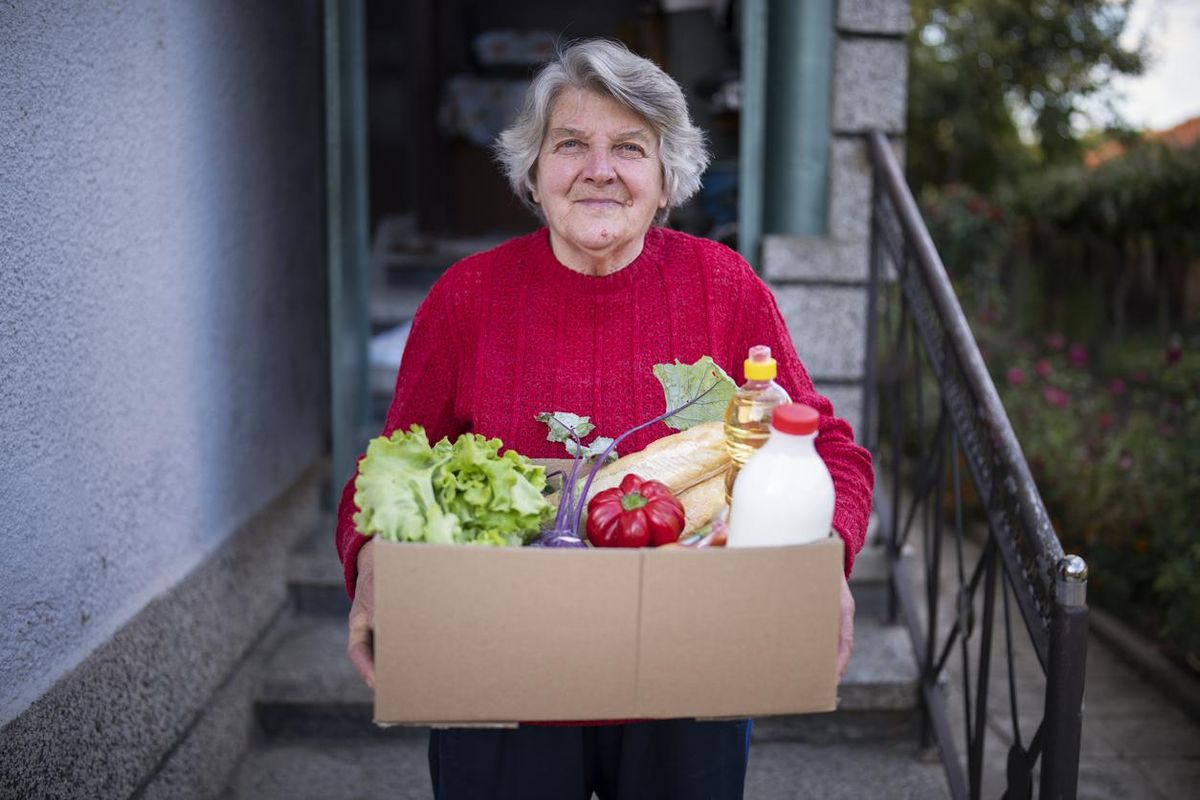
point(849, 464)
point(425, 394)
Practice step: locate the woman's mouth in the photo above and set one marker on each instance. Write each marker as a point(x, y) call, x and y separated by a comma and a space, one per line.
point(599, 202)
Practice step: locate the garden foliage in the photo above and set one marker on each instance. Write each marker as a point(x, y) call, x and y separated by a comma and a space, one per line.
point(990, 77)
point(1075, 283)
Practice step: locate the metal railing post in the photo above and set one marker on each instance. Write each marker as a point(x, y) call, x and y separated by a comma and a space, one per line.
point(1064, 682)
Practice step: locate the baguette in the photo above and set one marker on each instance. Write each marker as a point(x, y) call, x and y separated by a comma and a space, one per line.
point(701, 502)
point(681, 461)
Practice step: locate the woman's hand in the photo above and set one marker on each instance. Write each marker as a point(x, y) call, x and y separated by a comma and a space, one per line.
point(845, 629)
point(360, 648)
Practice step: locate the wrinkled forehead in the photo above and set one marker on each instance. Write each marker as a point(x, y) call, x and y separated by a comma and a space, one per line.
point(579, 110)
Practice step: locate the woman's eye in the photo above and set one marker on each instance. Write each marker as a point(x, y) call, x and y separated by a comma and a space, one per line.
point(630, 149)
point(570, 145)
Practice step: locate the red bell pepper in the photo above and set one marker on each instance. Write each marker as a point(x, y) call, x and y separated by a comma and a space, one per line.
point(635, 514)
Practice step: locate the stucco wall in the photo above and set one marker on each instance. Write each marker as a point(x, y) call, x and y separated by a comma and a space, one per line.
point(163, 333)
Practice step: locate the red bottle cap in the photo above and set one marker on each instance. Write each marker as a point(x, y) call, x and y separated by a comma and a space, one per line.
point(795, 418)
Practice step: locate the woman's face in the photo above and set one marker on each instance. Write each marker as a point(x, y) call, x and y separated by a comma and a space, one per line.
point(599, 179)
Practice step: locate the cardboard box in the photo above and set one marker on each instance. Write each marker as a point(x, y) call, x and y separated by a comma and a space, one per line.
point(482, 636)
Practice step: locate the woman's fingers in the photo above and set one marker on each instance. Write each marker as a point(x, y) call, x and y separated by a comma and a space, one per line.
point(845, 630)
point(360, 646)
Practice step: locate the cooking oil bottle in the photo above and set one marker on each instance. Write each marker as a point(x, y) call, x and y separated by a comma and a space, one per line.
point(748, 415)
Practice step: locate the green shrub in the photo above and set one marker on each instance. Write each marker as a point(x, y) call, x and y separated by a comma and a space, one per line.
point(1115, 451)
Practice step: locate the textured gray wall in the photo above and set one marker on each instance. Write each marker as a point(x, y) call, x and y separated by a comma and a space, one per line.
point(163, 354)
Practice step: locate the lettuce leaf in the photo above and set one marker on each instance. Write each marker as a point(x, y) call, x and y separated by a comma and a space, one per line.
point(464, 492)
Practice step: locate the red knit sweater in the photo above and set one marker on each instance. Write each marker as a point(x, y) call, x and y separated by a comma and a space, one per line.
point(511, 332)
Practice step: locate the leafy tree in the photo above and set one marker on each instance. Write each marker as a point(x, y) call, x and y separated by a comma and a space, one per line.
point(984, 69)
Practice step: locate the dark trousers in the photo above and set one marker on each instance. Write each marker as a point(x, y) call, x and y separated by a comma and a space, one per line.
point(658, 760)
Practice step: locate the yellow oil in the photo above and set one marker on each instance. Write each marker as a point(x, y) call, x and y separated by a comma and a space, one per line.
point(748, 424)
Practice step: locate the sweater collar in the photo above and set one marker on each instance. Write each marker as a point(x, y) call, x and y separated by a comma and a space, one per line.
point(547, 266)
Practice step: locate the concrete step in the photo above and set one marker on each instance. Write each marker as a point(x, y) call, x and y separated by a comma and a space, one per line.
point(308, 687)
point(871, 564)
point(315, 583)
point(334, 770)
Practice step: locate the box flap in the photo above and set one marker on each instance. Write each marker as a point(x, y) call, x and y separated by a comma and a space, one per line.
point(480, 659)
point(737, 632)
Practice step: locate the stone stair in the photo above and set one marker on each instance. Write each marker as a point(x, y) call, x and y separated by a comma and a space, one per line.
point(316, 738)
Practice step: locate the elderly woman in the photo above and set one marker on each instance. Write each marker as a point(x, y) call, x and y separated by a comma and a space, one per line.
point(573, 316)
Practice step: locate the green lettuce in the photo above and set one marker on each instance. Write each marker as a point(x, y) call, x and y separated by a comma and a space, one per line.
point(460, 493)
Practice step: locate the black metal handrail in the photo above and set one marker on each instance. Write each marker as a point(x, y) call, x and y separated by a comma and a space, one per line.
point(916, 326)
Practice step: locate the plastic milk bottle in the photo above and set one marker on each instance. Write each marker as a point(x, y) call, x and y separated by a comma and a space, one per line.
point(784, 494)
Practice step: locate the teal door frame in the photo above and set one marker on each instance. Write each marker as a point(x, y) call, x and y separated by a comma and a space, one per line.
point(786, 120)
point(346, 230)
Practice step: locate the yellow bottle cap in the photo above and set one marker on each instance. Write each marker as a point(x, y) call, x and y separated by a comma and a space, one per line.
point(763, 370)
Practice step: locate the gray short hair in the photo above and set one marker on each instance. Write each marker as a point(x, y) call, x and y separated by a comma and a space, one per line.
point(638, 84)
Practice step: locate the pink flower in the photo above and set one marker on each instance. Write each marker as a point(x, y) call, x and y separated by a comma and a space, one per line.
point(1105, 421)
point(1056, 341)
point(1139, 376)
point(1125, 462)
point(1174, 351)
point(1016, 376)
point(1078, 355)
point(1056, 397)
point(1165, 430)
point(1116, 387)
point(1043, 368)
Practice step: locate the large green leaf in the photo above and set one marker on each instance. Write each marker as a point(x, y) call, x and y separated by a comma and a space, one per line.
point(683, 383)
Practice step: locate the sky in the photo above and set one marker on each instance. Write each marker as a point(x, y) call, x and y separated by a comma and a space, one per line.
point(1169, 91)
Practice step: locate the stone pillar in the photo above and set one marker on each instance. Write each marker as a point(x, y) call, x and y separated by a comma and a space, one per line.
point(821, 281)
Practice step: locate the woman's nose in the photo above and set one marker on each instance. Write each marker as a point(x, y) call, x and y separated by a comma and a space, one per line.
point(599, 166)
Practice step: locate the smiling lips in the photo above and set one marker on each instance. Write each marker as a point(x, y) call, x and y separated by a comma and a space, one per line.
point(600, 201)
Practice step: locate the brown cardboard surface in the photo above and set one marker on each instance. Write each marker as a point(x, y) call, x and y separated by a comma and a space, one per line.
point(739, 632)
point(562, 465)
point(482, 635)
